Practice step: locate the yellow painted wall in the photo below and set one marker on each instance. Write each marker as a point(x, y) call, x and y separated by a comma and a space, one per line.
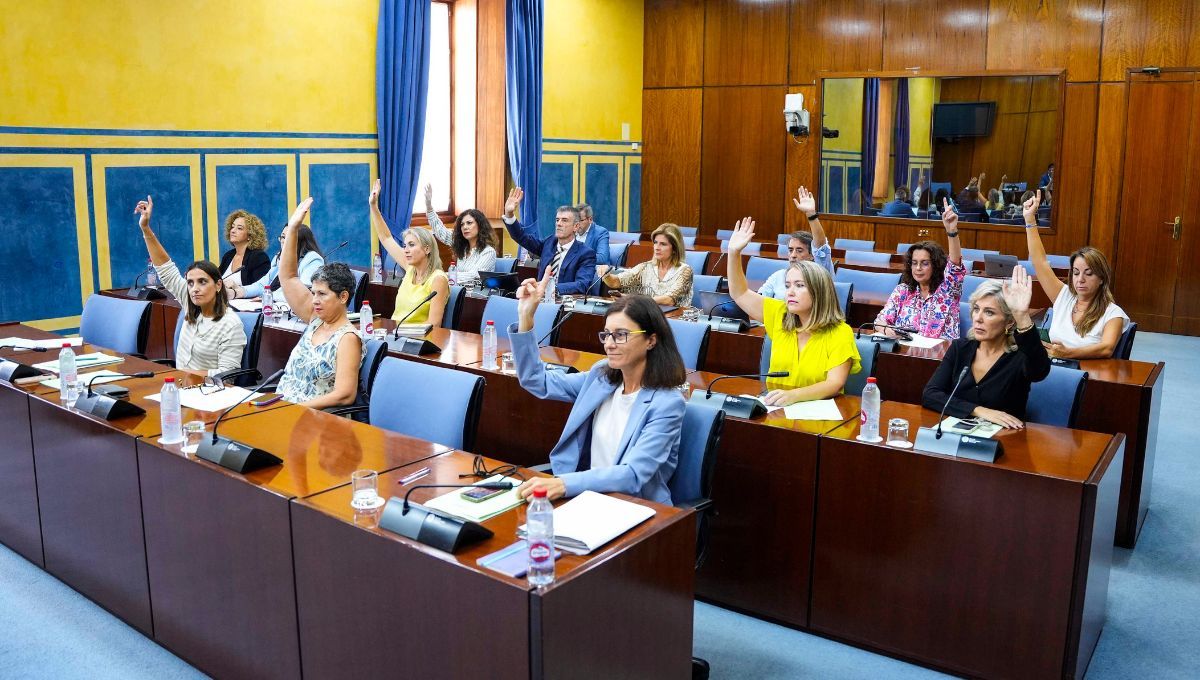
point(920, 115)
point(249, 65)
point(592, 58)
point(842, 108)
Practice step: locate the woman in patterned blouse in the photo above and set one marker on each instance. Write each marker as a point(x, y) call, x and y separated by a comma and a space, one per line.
point(926, 300)
point(666, 278)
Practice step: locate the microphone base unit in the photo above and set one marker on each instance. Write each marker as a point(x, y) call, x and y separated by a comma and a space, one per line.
point(104, 406)
point(1065, 363)
point(416, 347)
point(430, 527)
point(981, 449)
point(721, 323)
point(114, 391)
point(235, 455)
point(146, 293)
point(13, 371)
point(739, 407)
point(562, 368)
point(599, 306)
point(885, 344)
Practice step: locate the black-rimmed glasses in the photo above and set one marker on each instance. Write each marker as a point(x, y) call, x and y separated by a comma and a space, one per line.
point(619, 336)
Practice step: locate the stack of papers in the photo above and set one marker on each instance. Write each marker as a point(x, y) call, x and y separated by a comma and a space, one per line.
point(82, 361)
point(590, 520)
point(454, 504)
point(976, 427)
point(246, 305)
point(413, 330)
point(93, 378)
point(821, 409)
point(52, 343)
point(194, 398)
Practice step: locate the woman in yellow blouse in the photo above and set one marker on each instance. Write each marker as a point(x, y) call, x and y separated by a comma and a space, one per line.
point(809, 336)
point(666, 278)
point(423, 273)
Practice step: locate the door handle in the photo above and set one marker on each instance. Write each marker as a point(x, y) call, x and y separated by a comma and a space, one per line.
point(1176, 228)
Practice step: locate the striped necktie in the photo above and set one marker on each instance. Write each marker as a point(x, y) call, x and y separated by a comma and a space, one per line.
point(558, 258)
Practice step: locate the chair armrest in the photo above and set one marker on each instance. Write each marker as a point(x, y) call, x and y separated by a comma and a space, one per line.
point(697, 504)
point(346, 410)
point(165, 362)
point(225, 376)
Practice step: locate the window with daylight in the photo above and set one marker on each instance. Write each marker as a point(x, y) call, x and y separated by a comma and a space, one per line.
point(438, 154)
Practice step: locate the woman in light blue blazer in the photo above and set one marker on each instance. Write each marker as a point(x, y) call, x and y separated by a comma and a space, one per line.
point(311, 259)
point(624, 428)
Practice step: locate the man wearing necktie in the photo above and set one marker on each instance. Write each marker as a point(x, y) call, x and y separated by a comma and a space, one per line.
point(570, 260)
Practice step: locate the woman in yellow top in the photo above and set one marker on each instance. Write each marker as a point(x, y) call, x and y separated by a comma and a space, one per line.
point(809, 336)
point(422, 269)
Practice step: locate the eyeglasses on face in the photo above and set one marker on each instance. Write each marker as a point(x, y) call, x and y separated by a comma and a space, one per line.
point(620, 336)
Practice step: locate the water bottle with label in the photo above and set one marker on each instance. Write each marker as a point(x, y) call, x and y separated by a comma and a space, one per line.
point(68, 376)
point(452, 273)
point(172, 419)
point(377, 269)
point(489, 345)
point(539, 538)
point(366, 320)
point(268, 307)
point(868, 421)
point(551, 290)
point(151, 275)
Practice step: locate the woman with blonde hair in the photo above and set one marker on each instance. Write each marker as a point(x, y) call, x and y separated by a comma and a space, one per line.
point(666, 277)
point(247, 261)
point(423, 273)
point(1087, 323)
point(809, 336)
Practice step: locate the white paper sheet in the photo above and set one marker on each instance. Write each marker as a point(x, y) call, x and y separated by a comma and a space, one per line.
point(52, 343)
point(922, 342)
point(82, 361)
point(590, 520)
point(821, 409)
point(95, 378)
point(220, 400)
point(246, 305)
point(759, 399)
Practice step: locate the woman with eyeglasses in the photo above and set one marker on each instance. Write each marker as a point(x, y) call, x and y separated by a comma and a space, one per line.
point(311, 259)
point(423, 273)
point(623, 431)
point(926, 299)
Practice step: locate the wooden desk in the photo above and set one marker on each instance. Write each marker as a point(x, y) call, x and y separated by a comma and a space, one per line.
point(992, 570)
point(372, 602)
point(20, 526)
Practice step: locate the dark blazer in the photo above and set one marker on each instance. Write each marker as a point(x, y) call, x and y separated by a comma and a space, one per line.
point(896, 209)
point(597, 239)
point(255, 264)
point(578, 269)
point(1004, 388)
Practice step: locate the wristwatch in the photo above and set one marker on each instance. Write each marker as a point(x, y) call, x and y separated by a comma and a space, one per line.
point(952, 234)
point(813, 216)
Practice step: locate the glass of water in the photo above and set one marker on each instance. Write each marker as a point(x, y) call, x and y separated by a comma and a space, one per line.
point(193, 432)
point(365, 484)
point(897, 434)
point(506, 363)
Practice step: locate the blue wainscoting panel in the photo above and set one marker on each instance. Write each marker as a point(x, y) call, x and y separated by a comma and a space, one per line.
point(556, 186)
point(633, 198)
point(853, 183)
point(171, 187)
point(260, 189)
point(601, 184)
point(340, 211)
point(39, 246)
point(836, 189)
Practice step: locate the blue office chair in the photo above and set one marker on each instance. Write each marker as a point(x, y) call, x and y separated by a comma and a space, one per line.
point(964, 318)
point(1058, 261)
point(761, 268)
point(374, 352)
point(1055, 400)
point(934, 186)
point(506, 265)
point(445, 409)
point(902, 248)
point(617, 252)
point(1027, 265)
point(781, 251)
point(691, 484)
point(853, 244)
point(360, 290)
point(116, 323)
point(689, 241)
point(691, 338)
point(624, 237)
point(868, 258)
point(845, 292)
point(868, 351)
point(764, 358)
point(977, 254)
point(783, 239)
point(971, 283)
point(696, 259)
point(689, 231)
point(874, 282)
point(503, 311)
point(454, 305)
point(705, 283)
point(246, 375)
point(752, 248)
point(724, 234)
point(1124, 346)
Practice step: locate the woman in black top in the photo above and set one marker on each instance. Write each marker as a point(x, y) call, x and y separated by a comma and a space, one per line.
point(1004, 353)
point(247, 261)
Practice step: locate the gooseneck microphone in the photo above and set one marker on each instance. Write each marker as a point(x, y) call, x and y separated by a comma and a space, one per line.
point(772, 374)
point(901, 332)
point(100, 374)
point(232, 454)
point(961, 374)
point(427, 298)
point(270, 379)
point(983, 449)
point(569, 314)
point(742, 407)
point(335, 249)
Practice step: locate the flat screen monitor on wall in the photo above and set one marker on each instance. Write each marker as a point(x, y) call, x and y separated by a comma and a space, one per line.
point(963, 119)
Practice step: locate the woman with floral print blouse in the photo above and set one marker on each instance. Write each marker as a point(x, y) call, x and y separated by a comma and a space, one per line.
point(926, 300)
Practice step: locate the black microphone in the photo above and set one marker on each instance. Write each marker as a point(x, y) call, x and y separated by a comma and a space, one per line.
point(336, 248)
point(396, 330)
point(719, 304)
point(499, 486)
point(772, 374)
point(961, 374)
point(235, 455)
point(273, 377)
point(598, 279)
point(556, 326)
point(139, 278)
point(100, 374)
point(901, 332)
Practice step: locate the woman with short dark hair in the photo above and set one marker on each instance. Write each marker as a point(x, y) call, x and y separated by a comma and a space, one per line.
point(926, 299)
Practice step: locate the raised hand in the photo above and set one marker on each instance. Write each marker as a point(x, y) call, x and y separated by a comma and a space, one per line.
point(529, 296)
point(298, 215)
point(373, 199)
point(428, 197)
point(514, 199)
point(949, 217)
point(1018, 292)
point(805, 202)
point(743, 232)
point(1030, 208)
point(144, 208)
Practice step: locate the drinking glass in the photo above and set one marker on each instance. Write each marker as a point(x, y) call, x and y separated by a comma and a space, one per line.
point(506, 363)
point(365, 484)
point(193, 432)
point(897, 434)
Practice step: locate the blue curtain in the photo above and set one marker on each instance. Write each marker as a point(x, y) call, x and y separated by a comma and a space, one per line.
point(401, 86)
point(901, 138)
point(870, 144)
point(523, 96)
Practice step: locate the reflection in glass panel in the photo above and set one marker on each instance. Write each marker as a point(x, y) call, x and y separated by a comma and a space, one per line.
point(904, 147)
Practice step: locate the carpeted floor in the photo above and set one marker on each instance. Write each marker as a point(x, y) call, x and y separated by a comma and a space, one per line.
point(48, 630)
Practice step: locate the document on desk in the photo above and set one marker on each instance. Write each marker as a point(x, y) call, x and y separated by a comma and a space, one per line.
point(93, 378)
point(976, 427)
point(454, 504)
point(194, 398)
point(921, 342)
point(821, 409)
point(759, 399)
point(246, 305)
point(53, 343)
point(589, 520)
point(82, 361)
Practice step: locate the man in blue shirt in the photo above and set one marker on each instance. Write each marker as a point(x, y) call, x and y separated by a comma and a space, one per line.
point(900, 207)
point(802, 246)
point(571, 262)
point(592, 235)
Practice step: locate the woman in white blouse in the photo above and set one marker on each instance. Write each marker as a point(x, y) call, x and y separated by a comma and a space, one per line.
point(1087, 323)
point(212, 336)
point(472, 241)
point(666, 278)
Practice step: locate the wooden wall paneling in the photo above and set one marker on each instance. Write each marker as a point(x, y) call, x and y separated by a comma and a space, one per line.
point(960, 89)
point(1141, 33)
point(1000, 152)
point(674, 43)
point(803, 161)
point(491, 134)
point(1011, 93)
point(1186, 315)
point(833, 35)
point(1073, 173)
point(835, 229)
point(1045, 94)
point(671, 120)
point(1007, 242)
point(1038, 34)
point(1041, 142)
point(742, 161)
point(746, 43)
point(888, 236)
point(1109, 147)
point(949, 35)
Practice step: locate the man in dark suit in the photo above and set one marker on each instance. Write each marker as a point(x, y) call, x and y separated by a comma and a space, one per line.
point(572, 262)
point(592, 235)
point(899, 207)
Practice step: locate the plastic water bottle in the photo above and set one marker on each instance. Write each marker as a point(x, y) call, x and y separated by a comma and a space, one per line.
point(366, 320)
point(68, 375)
point(268, 308)
point(377, 269)
point(489, 345)
point(868, 420)
point(452, 273)
point(172, 419)
point(551, 290)
point(539, 537)
point(151, 275)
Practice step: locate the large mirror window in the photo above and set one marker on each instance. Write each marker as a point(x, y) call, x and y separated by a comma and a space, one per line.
point(896, 147)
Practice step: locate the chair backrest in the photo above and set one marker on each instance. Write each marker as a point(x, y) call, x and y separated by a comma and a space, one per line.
point(1055, 400)
point(752, 248)
point(692, 480)
point(373, 353)
point(783, 238)
point(705, 283)
point(689, 241)
point(252, 323)
point(1048, 317)
point(845, 292)
point(970, 283)
point(503, 311)
point(934, 186)
point(454, 306)
point(1125, 344)
point(689, 231)
point(868, 351)
point(360, 290)
point(853, 244)
point(724, 234)
point(964, 318)
point(764, 359)
point(116, 323)
point(624, 237)
point(696, 259)
point(868, 258)
point(1059, 261)
point(1027, 265)
point(617, 252)
point(433, 403)
point(761, 268)
point(874, 282)
point(902, 248)
point(691, 337)
point(506, 265)
point(781, 251)
point(977, 253)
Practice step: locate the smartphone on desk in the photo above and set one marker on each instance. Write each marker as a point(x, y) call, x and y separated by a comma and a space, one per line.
point(966, 425)
point(481, 494)
point(266, 401)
